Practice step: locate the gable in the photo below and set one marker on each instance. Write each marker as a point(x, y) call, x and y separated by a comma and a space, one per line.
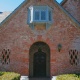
point(73, 7)
point(15, 12)
point(68, 15)
point(17, 36)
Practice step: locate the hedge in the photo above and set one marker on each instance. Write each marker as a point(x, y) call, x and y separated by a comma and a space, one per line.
point(9, 76)
point(68, 77)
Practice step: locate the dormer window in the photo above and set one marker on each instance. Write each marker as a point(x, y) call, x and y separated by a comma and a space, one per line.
point(43, 15)
point(50, 16)
point(39, 15)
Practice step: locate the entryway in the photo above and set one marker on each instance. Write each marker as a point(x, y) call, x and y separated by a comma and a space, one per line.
point(39, 63)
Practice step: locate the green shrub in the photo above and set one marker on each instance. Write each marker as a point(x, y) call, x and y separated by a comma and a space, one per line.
point(78, 75)
point(1, 73)
point(9, 76)
point(68, 77)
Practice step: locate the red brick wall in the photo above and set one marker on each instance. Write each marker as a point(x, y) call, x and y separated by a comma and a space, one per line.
point(17, 36)
point(73, 7)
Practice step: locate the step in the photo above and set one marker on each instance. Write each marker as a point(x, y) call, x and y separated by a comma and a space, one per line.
point(26, 78)
point(39, 79)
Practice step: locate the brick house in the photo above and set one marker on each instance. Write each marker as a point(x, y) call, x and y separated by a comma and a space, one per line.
point(41, 38)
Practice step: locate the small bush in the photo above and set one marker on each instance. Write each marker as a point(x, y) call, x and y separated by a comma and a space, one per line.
point(78, 75)
point(9, 76)
point(1, 73)
point(68, 77)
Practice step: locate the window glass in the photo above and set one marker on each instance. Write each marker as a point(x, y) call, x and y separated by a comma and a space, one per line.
point(49, 15)
point(37, 15)
point(43, 15)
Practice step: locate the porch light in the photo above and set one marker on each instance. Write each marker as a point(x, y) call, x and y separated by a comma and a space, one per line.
point(59, 47)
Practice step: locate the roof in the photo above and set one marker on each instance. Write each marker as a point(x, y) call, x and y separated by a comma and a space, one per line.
point(1, 12)
point(76, 23)
point(3, 15)
point(13, 13)
point(63, 2)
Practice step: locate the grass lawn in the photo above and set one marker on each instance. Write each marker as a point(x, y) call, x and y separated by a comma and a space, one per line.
point(69, 77)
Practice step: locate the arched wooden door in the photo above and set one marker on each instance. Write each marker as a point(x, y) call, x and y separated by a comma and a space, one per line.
point(39, 67)
point(39, 60)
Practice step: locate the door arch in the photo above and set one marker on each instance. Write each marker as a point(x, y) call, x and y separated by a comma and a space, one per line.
point(38, 51)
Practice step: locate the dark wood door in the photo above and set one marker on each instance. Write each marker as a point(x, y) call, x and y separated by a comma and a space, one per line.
point(39, 64)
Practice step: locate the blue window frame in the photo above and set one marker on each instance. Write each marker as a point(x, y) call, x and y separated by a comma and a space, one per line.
point(43, 15)
point(40, 14)
point(37, 15)
point(50, 16)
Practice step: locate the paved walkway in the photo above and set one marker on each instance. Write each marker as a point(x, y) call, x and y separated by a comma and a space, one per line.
point(26, 78)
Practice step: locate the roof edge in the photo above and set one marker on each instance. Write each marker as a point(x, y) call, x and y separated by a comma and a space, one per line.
point(63, 2)
point(12, 13)
point(76, 23)
point(69, 16)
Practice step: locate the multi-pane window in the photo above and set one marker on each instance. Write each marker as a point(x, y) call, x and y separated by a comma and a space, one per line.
point(43, 15)
point(74, 60)
point(37, 14)
point(5, 56)
point(40, 15)
point(50, 15)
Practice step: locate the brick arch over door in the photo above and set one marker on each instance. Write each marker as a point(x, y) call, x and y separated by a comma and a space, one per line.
point(33, 49)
